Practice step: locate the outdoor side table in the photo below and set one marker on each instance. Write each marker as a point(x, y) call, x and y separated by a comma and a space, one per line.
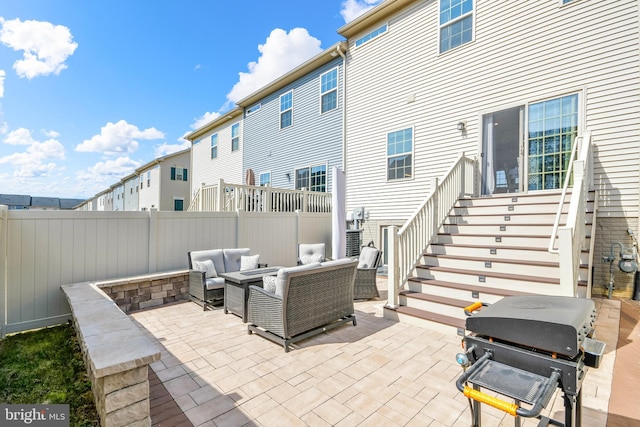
point(236, 288)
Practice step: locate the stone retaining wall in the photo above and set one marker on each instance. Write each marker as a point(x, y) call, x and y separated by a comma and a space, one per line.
point(140, 292)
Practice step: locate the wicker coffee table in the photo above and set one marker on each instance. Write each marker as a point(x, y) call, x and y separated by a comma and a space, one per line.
point(236, 288)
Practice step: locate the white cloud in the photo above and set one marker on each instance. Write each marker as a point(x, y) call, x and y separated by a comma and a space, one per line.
point(164, 149)
point(2, 76)
point(120, 137)
point(36, 159)
point(351, 9)
point(109, 171)
point(280, 53)
point(204, 119)
point(46, 46)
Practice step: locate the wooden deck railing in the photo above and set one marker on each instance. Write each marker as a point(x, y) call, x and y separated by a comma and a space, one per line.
point(225, 197)
point(407, 245)
point(571, 236)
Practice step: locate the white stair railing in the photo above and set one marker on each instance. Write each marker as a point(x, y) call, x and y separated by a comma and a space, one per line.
point(407, 245)
point(571, 236)
point(226, 197)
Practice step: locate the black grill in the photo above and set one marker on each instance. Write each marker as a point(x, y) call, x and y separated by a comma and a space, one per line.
point(524, 348)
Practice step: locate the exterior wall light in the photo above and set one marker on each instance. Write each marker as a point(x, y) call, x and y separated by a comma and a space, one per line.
point(462, 125)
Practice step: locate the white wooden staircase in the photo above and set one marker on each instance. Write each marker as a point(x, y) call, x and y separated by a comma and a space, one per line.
point(488, 248)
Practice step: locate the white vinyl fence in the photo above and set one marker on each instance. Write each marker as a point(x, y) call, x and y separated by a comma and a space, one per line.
point(41, 250)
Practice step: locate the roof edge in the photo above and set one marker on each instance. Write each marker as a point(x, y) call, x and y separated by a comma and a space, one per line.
point(372, 17)
point(229, 115)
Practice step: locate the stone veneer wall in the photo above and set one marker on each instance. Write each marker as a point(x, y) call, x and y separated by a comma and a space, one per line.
point(116, 353)
point(140, 292)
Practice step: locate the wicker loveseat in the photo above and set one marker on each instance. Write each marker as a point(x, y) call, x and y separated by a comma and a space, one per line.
point(308, 300)
point(205, 288)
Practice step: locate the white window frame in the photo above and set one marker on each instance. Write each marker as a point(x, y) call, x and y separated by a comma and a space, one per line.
point(290, 109)
point(327, 92)
point(412, 153)
point(371, 35)
point(253, 109)
point(214, 145)
point(262, 174)
point(235, 140)
point(441, 26)
point(309, 169)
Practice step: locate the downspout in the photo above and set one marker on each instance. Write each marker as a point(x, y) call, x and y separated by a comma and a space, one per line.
point(344, 107)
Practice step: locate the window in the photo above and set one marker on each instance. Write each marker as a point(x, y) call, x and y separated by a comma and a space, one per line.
point(265, 179)
point(400, 154)
point(178, 204)
point(253, 109)
point(553, 126)
point(235, 137)
point(286, 110)
point(456, 23)
point(313, 178)
point(329, 91)
point(149, 179)
point(214, 146)
point(178, 174)
point(373, 34)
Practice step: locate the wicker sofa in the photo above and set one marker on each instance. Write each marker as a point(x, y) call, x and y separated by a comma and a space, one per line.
point(205, 288)
point(308, 300)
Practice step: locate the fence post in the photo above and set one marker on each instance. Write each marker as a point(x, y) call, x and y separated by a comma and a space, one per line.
point(221, 196)
point(435, 218)
point(153, 240)
point(305, 195)
point(393, 287)
point(201, 197)
point(463, 176)
point(266, 200)
point(4, 219)
point(568, 280)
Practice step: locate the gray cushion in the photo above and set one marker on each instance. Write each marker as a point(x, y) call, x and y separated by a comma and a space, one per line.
point(283, 275)
point(215, 255)
point(249, 262)
point(309, 259)
point(214, 283)
point(269, 283)
point(206, 266)
point(232, 258)
point(308, 249)
point(368, 257)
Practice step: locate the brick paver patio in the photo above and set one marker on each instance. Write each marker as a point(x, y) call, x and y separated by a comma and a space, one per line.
point(379, 373)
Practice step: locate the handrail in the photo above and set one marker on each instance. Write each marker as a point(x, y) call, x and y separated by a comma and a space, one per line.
point(407, 245)
point(228, 197)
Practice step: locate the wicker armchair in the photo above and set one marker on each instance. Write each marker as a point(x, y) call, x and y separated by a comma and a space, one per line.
point(365, 283)
point(308, 300)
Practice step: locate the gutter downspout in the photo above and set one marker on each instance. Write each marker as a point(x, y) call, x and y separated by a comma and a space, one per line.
point(344, 107)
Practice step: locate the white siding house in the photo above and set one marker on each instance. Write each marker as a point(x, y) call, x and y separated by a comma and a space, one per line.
point(216, 151)
point(164, 183)
point(509, 82)
point(131, 191)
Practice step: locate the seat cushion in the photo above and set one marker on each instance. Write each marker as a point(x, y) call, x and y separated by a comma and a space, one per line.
point(309, 259)
point(214, 283)
point(249, 262)
point(207, 266)
point(215, 255)
point(232, 258)
point(368, 257)
point(283, 275)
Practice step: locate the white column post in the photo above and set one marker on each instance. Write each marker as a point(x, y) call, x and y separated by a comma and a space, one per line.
point(153, 240)
point(568, 280)
point(221, 196)
point(435, 218)
point(393, 299)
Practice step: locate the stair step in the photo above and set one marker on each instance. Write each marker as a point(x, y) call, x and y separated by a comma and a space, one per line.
point(431, 317)
point(493, 251)
point(489, 273)
point(497, 239)
point(470, 288)
point(435, 298)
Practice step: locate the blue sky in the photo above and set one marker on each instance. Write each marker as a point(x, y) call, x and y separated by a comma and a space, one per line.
point(91, 90)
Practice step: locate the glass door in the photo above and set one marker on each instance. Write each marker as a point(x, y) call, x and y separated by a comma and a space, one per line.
point(502, 139)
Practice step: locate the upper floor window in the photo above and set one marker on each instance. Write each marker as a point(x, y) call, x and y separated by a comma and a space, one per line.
point(214, 145)
point(313, 178)
point(373, 34)
point(178, 174)
point(253, 109)
point(329, 91)
point(400, 154)
point(235, 137)
point(149, 179)
point(265, 179)
point(286, 110)
point(456, 23)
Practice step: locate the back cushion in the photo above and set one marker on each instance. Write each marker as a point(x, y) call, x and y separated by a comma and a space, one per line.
point(283, 275)
point(368, 257)
point(214, 255)
point(232, 258)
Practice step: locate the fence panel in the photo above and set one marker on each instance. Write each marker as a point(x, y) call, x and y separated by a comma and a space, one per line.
point(41, 250)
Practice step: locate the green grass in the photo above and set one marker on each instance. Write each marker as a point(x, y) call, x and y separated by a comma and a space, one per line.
point(46, 367)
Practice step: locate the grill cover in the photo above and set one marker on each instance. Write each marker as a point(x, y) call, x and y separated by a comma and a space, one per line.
point(550, 323)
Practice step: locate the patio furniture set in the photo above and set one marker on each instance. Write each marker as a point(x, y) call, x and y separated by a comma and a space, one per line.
point(284, 304)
